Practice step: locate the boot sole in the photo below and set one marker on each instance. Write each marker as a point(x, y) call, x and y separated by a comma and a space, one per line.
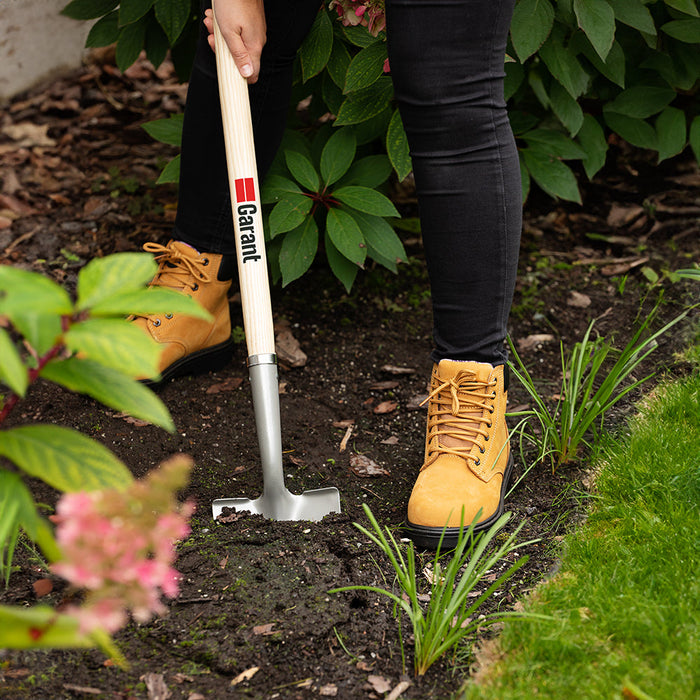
point(207, 360)
point(427, 537)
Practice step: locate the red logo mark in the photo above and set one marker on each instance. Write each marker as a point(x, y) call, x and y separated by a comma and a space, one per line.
point(245, 189)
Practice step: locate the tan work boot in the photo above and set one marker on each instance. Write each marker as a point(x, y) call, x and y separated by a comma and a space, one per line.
point(190, 345)
point(467, 454)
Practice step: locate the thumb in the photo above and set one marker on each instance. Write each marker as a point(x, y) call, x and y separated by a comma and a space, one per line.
point(241, 56)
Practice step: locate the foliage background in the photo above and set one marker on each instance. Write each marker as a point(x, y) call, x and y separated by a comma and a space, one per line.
point(580, 75)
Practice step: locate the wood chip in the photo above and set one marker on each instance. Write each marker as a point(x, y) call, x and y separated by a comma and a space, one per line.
point(265, 630)
point(385, 407)
point(578, 299)
point(379, 684)
point(384, 386)
point(400, 688)
point(156, 687)
point(393, 369)
point(330, 690)
point(230, 384)
point(620, 215)
point(288, 349)
point(245, 675)
point(83, 689)
point(415, 403)
point(363, 466)
point(42, 587)
point(344, 441)
point(531, 342)
point(393, 440)
point(343, 423)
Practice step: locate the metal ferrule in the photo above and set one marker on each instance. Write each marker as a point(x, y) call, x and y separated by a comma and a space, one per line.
point(266, 359)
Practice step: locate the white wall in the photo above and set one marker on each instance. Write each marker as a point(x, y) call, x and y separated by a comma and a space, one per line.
point(36, 43)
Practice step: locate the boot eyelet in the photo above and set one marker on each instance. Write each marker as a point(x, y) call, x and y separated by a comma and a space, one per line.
point(168, 316)
point(487, 438)
point(195, 287)
point(205, 262)
point(482, 450)
point(156, 322)
point(477, 463)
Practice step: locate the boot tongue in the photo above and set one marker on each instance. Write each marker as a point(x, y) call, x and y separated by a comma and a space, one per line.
point(468, 376)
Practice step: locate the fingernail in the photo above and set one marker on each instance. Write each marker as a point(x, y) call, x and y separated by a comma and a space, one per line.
point(247, 70)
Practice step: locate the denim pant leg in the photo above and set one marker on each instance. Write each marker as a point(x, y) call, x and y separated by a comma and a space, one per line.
point(204, 208)
point(447, 59)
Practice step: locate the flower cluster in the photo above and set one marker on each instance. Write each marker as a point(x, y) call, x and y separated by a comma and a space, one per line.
point(368, 13)
point(120, 547)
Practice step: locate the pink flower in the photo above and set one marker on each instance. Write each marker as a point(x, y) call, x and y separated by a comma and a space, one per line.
point(119, 546)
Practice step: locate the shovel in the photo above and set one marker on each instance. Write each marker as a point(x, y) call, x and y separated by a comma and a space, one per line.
point(276, 501)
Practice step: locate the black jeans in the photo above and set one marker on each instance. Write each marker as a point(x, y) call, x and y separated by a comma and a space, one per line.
point(446, 60)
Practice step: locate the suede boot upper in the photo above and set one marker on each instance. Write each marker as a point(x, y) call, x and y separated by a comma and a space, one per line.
point(467, 450)
point(182, 268)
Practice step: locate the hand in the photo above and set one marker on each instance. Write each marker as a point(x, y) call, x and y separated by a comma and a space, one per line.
point(242, 24)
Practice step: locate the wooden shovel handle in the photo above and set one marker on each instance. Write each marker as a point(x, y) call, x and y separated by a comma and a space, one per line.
point(245, 202)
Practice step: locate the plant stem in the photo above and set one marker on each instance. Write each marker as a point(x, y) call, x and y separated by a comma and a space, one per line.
point(33, 375)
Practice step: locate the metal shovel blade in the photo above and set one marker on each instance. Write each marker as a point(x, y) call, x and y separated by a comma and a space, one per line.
point(310, 505)
point(276, 502)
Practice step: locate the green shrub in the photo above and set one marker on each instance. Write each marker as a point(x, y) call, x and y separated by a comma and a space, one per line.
point(577, 73)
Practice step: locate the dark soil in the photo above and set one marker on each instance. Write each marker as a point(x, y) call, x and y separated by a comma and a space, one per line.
point(255, 592)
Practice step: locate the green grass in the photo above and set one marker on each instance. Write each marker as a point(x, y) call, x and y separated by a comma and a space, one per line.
point(626, 600)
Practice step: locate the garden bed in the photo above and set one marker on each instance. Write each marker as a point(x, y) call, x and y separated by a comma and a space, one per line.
point(254, 616)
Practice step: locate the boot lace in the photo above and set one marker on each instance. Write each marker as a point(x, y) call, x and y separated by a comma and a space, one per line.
point(459, 416)
point(177, 270)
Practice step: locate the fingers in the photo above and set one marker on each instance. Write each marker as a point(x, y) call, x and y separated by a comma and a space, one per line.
point(245, 40)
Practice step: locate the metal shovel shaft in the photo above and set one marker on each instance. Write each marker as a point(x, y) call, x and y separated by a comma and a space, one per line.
point(276, 502)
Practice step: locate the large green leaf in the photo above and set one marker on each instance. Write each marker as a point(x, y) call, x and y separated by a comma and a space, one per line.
point(370, 171)
point(104, 32)
point(12, 370)
point(532, 22)
point(337, 155)
point(115, 274)
point(298, 251)
point(156, 45)
point(383, 245)
point(115, 343)
point(171, 172)
point(597, 20)
point(564, 65)
point(23, 292)
point(365, 68)
point(42, 331)
point(365, 104)
point(19, 510)
point(166, 130)
point(634, 13)
point(635, 131)
point(132, 10)
point(694, 137)
point(338, 63)
point(289, 213)
point(592, 139)
point(40, 627)
point(275, 187)
point(172, 15)
point(566, 108)
point(346, 236)
point(553, 143)
point(524, 180)
point(687, 30)
point(670, 132)
point(397, 146)
point(343, 269)
point(303, 170)
point(88, 9)
point(641, 101)
point(688, 7)
point(131, 41)
point(555, 178)
point(63, 458)
point(150, 300)
point(316, 49)
point(111, 388)
point(366, 200)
